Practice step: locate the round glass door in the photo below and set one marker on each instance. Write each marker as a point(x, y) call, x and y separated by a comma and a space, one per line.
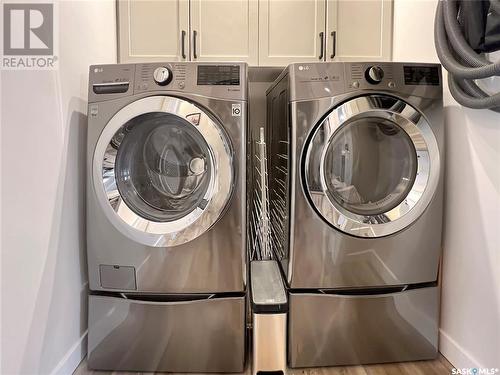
point(371, 166)
point(163, 171)
point(163, 166)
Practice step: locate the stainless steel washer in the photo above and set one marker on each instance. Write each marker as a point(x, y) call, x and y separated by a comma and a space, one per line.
point(356, 169)
point(166, 217)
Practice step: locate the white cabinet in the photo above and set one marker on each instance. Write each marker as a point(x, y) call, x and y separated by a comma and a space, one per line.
point(291, 31)
point(359, 30)
point(224, 30)
point(153, 30)
point(183, 30)
point(324, 30)
point(259, 32)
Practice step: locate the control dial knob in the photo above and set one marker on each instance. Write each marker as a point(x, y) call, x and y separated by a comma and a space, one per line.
point(162, 75)
point(374, 75)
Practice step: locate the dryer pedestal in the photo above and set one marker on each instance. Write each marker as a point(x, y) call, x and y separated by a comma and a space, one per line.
point(337, 330)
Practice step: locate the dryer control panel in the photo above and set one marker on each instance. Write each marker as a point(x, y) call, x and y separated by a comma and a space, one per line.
point(409, 78)
point(317, 80)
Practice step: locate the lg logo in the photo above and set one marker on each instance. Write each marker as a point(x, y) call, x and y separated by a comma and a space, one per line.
point(28, 29)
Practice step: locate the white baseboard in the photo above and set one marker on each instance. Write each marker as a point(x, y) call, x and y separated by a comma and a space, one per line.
point(68, 364)
point(455, 354)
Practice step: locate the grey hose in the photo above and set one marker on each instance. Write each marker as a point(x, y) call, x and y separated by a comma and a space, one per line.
point(461, 61)
point(495, 5)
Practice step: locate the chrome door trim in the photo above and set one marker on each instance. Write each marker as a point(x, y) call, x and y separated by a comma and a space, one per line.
point(423, 188)
point(198, 221)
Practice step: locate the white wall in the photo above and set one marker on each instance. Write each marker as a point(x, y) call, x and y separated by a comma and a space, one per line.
point(43, 140)
point(470, 317)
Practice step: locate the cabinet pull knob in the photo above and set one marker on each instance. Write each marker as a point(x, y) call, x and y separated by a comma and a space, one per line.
point(195, 33)
point(334, 44)
point(321, 37)
point(183, 44)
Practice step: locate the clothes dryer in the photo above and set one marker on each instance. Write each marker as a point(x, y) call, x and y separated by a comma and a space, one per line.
point(356, 164)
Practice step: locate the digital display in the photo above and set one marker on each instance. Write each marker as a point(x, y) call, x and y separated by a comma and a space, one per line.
point(421, 75)
point(224, 75)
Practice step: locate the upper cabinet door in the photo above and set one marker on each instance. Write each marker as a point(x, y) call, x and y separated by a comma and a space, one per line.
point(153, 30)
point(359, 30)
point(224, 30)
point(291, 31)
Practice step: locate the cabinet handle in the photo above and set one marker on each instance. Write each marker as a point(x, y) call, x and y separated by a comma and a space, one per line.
point(321, 36)
point(195, 55)
point(334, 44)
point(183, 42)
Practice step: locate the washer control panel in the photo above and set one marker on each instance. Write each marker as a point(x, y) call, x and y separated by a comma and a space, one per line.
point(214, 80)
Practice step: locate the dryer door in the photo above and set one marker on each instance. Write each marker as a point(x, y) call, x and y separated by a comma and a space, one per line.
point(371, 167)
point(163, 171)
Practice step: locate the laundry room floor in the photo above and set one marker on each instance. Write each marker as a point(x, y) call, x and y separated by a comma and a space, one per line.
point(435, 367)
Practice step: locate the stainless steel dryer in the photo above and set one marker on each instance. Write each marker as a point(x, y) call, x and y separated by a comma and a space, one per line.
point(356, 168)
point(166, 217)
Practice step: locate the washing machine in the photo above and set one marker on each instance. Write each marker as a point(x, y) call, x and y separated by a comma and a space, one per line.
point(356, 189)
point(166, 217)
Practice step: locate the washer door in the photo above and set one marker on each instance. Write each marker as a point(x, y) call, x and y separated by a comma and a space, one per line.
point(371, 167)
point(163, 171)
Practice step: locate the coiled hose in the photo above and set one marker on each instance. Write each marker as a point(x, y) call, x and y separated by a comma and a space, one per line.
point(463, 64)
